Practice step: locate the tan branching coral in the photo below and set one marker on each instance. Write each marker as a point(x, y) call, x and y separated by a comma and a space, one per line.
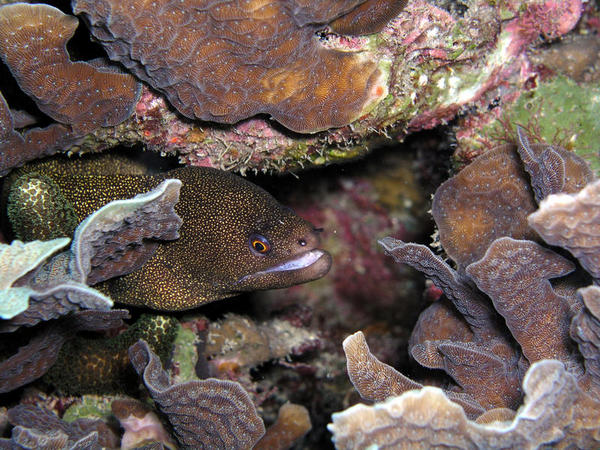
point(238, 343)
point(225, 61)
point(526, 321)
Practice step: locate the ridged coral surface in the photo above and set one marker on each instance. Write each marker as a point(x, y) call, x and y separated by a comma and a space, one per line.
point(427, 419)
point(33, 44)
point(228, 60)
point(573, 221)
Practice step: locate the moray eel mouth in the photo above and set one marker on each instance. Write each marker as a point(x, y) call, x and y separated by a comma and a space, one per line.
point(301, 268)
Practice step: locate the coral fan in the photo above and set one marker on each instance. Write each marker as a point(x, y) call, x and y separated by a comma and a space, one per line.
point(203, 413)
point(227, 61)
point(486, 363)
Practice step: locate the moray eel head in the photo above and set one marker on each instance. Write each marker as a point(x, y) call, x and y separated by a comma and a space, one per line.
point(235, 238)
point(239, 238)
point(283, 255)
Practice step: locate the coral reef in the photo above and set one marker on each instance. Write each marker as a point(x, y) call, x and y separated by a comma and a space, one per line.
point(141, 425)
point(236, 343)
point(101, 365)
point(101, 248)
point(235, 237)
point(427, 419)
point(434, 65)
point(292, 423)
point(466, 337)
point(36, 357)
point(496, 312)
point(17, 260)
point(37, 428)
point(80, 96)
point(571, 222)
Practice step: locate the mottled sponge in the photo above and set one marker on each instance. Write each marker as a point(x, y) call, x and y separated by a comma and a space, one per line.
point(225, 61)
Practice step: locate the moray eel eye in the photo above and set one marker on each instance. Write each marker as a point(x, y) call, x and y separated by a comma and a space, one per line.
point(259, 244)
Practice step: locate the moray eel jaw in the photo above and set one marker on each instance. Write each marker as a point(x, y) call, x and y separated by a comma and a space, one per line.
point(301, 268)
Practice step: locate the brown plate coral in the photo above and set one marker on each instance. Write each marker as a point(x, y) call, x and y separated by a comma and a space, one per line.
point(225, 61)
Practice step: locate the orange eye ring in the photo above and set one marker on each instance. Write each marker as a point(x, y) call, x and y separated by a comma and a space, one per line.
point(259, 244)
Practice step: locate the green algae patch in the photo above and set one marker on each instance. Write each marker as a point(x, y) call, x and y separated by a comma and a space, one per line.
point(185, 355)
point(566, 113)
point(89, 407)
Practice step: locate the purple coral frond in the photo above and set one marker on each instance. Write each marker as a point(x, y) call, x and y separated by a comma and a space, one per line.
point(204, 413)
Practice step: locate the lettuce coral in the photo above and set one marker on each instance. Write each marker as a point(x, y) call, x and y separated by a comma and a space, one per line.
point(203, 413)
point(524, 331)
point(38, 428)
point(108, 243)
point(15, 261)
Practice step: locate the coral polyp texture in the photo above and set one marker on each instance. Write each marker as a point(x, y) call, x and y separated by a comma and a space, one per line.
point(502, 324)
point(572, 221)
point(203, 413)
point(81, 96)
point(33, 44)
point(35, 427)
point(428, 419)
point(227, 61)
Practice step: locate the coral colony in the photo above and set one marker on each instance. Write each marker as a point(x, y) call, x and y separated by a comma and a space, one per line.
point(509, 336)
point(106, 267)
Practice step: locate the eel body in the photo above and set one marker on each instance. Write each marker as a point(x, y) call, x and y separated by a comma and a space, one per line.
point(235, 236)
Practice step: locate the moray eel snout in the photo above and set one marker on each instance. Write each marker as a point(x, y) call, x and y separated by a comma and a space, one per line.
point(298, 260)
